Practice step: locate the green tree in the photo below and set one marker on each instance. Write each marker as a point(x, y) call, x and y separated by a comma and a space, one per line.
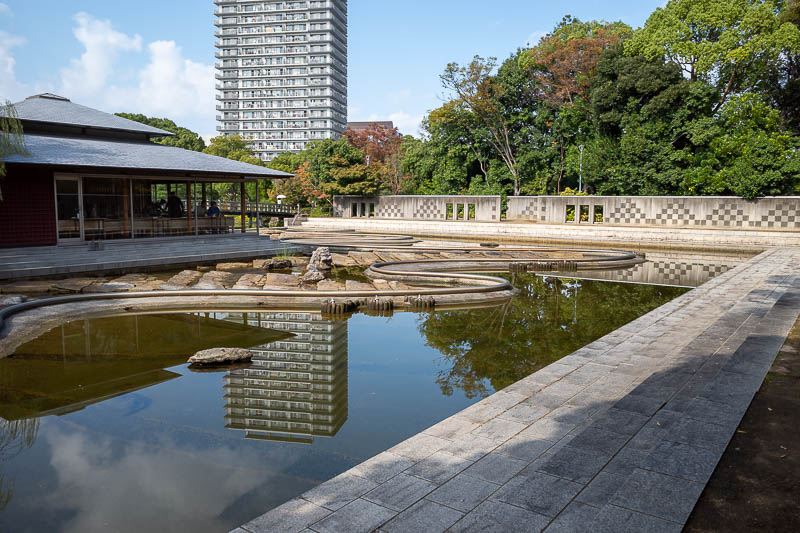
point(12, 140)
point(184, 138)
point(728, 43)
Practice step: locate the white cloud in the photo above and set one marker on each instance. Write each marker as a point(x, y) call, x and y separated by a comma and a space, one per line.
point(533, 38)
point(89, 74)
point(10, 88)
point(168, 85)
point(5, 10)
point(408, 124)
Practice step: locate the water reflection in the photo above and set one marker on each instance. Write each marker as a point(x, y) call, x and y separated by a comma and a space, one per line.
point(295, 389)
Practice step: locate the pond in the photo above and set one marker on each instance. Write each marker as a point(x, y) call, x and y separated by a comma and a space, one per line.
point(105, 427)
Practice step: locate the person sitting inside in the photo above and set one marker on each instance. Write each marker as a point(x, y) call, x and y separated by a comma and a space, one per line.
point(214, 210)
point(200, 210)
point(174, 206)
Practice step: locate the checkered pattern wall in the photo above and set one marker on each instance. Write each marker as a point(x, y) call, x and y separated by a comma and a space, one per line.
point(429, 209)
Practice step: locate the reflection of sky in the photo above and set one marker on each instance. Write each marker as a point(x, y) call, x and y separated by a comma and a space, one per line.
point(161, 458)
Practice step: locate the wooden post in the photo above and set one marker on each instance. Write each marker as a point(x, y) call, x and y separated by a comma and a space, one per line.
point(126, 209)
point(203, 196)
point(189, 208)
point(244, 205)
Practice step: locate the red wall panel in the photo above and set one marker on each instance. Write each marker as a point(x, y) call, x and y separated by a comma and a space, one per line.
point(28, 209)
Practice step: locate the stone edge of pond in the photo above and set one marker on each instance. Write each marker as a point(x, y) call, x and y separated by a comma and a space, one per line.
point(623, 433)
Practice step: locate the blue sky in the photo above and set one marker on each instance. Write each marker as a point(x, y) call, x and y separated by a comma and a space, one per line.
point(157, 57)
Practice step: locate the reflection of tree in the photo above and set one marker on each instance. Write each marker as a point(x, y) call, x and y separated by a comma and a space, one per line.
point(549, 319)
point(16, 436)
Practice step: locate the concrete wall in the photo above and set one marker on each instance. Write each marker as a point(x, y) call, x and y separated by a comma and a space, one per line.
point(669, 211)
point(477, 208)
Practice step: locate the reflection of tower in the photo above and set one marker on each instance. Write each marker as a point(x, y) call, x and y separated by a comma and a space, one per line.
point(295, 389)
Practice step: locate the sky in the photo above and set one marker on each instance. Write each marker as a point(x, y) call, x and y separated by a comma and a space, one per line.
point(157, 57)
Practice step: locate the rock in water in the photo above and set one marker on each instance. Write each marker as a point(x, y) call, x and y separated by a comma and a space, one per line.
point(321, 257)
point(312, 274)
point(215, 356)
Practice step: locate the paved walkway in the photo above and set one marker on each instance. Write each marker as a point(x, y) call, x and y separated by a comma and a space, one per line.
point(621, 435)
point(123, 255)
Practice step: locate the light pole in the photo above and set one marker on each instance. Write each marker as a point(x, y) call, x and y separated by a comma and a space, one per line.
point(580, 170)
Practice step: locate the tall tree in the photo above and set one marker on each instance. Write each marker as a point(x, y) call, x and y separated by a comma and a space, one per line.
point(728, 43)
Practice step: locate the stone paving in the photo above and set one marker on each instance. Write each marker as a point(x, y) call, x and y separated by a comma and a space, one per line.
point(132, 255)
point(621, 435)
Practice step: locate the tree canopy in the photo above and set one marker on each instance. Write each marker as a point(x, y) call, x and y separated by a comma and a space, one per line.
point(184, 138)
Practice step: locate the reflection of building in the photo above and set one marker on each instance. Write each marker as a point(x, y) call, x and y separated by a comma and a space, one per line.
point(295, 389)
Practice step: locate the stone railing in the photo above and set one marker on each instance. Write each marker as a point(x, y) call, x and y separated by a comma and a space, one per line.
point(777, 212)
point(475, 208)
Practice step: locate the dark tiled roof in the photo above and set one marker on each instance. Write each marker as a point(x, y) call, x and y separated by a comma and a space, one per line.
point(131, 155)
point(53, 109)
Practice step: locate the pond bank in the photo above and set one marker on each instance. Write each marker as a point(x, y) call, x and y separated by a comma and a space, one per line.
point(621, 435)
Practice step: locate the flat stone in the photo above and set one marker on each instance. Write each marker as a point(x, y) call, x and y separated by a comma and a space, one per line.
point(496, 468)
point(400, 492)
point(382, 467)
point(359, 516)
point(228, 267)
point(451, 428)
point(612, 519)
point(498, 517)
point(620, 421)
point(599, 441)
point(439, 467)
point(398, 285)
point(524, 447)
point(275, 279)
point(213, 356)
point(72, 285)
point(659, 495)
point(682, 460)
point(108, 287)
point(499, 429)
point(28, 287)
point(381, 284)
point(423, 517)
point(185, 278)
point(293, 515)
point(573, 464)
point(547, 429)
point(342, 260)
point(601, 489)
point(330, 285)
point(352, 285)
point(470, 447)
point(339, 491)
point(538, 492)
point(574, 518)
point(204, 268)
point(525, 413)
point(249, 281)
point(463, 492)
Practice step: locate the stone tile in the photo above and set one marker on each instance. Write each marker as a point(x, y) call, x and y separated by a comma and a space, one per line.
point(575, 518)
point(554, 395)
point(548, 429)
point(538, 492)
point(637, 403)
point(626, 461)
point(524, 447)
point(419, 446)
point(339, 491)
point(480, 413)
point(439, 467)
point(504, 399)
point(571, 414)
point(400, 492)
point(292, 516)
point(620, 421)
point(463, 492)
point(573, 464)
point(359, 516)
point(658, 495)
point(681, 460)
point(497, 517)
point(700, 434)
point(599, 441)
point(451, 428)
point(382, 467)
point(601, 489)
point(470, 447)
point(715, 412)
point(424, 517)
point(499, 429)
point(613, 519)
point(496, 468)
point(524, 413)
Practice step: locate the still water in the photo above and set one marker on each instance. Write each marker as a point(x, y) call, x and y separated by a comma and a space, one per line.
point(102, 425)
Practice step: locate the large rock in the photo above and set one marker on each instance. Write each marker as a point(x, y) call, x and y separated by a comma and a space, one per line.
point(381, 284)
point(250, 281)
point(352, 285)
point(216, 279)
point(111, 286)
point(313, 274)
point(72, 285)
point(278, 264)
point(321, 258)
point(228, 267)
point(216, 356)
point(330, 285)
point(342, 260)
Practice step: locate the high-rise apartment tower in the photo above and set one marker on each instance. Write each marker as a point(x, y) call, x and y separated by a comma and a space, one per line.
point(281, 72)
